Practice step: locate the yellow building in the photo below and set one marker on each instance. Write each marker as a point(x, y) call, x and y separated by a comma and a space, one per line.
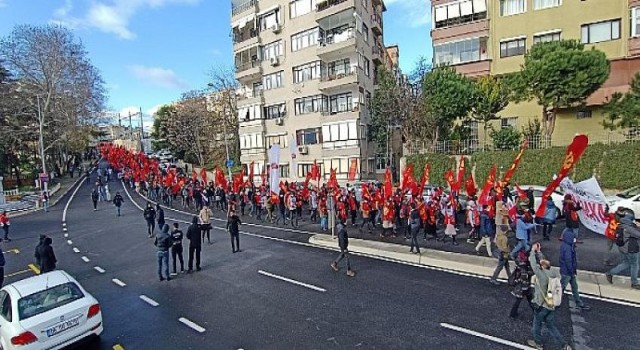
point(481, 37)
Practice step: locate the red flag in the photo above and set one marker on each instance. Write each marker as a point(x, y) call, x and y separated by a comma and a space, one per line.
point(238, 180)
point(460, 179)
point(509, 173)
point(263, 174)
point(470, 186)
point(194, 175)
point(251, 172)
point(488, 184)
point(407, 177)
point(425, 176)
point(574, 152)
point(221, 180)
point(388, 187)
point(203, 175)
point(612, 227)
point(168, 180)
point(315, 172)
point(333, 181)
point(353, 167)
point(365, 191)
point(283, 187)
point(450, 178)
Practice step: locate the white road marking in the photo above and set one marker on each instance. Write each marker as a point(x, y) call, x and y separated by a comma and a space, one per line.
point(118, 282)
point(149, 301)
point(192, 325)
point(69, 242)
point(64, 224)
point(64, 229)
point(486, 336)
point(310, 286)
point(66, 235)
point(99, 269)
point(66, 207)
point(76, 250)
point(85, 259)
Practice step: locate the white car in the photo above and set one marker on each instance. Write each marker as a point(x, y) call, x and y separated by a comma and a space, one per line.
point(629, 199)
point(48, 311)
point(556, 196)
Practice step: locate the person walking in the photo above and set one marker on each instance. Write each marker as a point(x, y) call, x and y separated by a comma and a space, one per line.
point(522, 284)
point(549, 219)
point(233, 223)
point(176, 248)
point(45, 201)
point(523, 225)
point(95, 195)
point(36, 253)
point(569, 267)
point(205, 222)
point(545, 312)
point(414, 224)
point(5, 223)
point(627, 236)
point(160, 216)
point(117, 201)
point(502, 251)
point(486, 231)
point(343, 243)
point(571, 214)
point(150, 216)
point(195, 244)
point(163, 243)
point(46, 256)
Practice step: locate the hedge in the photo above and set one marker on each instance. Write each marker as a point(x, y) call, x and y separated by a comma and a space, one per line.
point(616, 166)
point(440, 163)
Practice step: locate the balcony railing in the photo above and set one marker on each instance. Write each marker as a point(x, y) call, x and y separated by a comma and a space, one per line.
point(244, 36)
point(254, 94)
point(338, 75)
point(236, 10)
point(328, 4)
point(338, 38)
point(376, 19)
point(246, 65)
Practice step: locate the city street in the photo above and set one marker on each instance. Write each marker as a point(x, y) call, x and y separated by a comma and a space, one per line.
point(250, 300)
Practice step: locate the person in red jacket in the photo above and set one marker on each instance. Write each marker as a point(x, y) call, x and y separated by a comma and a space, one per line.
point(5, 223)
point(353, 208)
point(388, 215)
point(365, 209)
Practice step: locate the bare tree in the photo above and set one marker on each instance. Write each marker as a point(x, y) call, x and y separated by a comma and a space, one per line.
point(224, 85)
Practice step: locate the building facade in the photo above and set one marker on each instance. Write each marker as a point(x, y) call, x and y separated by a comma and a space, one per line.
point(306, 70)
point(481, 37)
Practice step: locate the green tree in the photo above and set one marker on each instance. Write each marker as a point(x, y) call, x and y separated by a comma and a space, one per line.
point(560, 74)
point(491, 96)
point(390, 105)
point(623, 110)
point(160, 133)
point(506, 138)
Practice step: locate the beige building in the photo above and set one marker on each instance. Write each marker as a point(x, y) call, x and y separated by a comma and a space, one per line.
point(306, 70)
point(481, 37)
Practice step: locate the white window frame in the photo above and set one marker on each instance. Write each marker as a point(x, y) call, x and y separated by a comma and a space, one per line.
point(635, 21)
point(509, 122)
point(273, 81)
point(586, 29)
point(271, 50)
point(537, 37)
point(546, 4)
point(509, 40)
point(294, 6)
point(522, 8)
point(307, 38)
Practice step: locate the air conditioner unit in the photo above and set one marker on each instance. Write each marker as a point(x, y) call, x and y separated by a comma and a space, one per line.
point(275, 61)
point(279, 121)
point(303, 149)
point(276, 28)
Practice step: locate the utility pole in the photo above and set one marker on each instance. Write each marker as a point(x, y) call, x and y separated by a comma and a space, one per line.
point(141, 131)
point(41, 142)
point(130, 127)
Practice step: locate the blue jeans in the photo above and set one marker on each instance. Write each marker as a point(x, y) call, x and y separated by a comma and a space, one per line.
point(566, 279)
point(46, 206)
point(547, 316)
point(629, 261)
point(522, 243)
point(163, 258)
point(118, 210)
point(323, 223)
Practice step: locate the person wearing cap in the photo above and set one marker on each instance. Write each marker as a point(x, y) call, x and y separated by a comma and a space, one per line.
point(571, 214)
point(523, 225)
point(630, 250)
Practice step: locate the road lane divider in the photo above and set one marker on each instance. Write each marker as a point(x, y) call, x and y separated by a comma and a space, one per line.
point(486, 337)
point(18, 273)
point(85, 259)
point(14, 251)
point(76, 250)
point(34, 268)
point(148, 300)
point(99, 269)
point(66, 207)
point(118, 282)
point(69, 242)
point(66, 235)
point(118, 347)
point(192, 325)
point(285, 279)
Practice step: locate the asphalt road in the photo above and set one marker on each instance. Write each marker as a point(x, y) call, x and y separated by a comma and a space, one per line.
point(386, 306)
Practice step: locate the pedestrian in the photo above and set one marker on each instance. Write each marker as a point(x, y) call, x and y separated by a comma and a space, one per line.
point(449, 224)
point(205, 222)
point(195, 244)
point(5, 223)
point(627, 236)
point(365, 210)
point(45, 201)
point(36, 253)
point(473, 219)
point(163, 243)
point(176, 248)
point(150, 216)
point(486, 231)
point(549, 219)
point(343, 243)
point(232, 227)
point(571, 214)
point(502, 251)
point(569, 267)
point(117, 201)
point(524, 223)
point(545, 310)
point(160, 215)
point(95, 195)
point(414, 224)
point(46, 256)
point(522, 284)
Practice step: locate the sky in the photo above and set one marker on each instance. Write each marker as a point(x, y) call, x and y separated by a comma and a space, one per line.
point(151, 51)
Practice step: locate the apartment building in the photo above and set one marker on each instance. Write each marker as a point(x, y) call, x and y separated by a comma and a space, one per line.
point(481, 37)
point(306, 70)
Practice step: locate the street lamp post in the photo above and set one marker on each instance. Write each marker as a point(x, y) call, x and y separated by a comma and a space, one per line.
point(41, 142)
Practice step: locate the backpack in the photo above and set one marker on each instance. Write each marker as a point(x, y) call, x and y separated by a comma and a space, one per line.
point(620, 242)
point(553, 296)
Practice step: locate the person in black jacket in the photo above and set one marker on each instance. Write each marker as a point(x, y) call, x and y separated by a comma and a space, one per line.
point(160, 216)
point(94, 198)
point(150, 215)
point(163, 243)
point(343, 242)
point(195, 244)
point(36, 254)
point(46, 256)
point(176, 247)
point(117, 201)
point(232, 227)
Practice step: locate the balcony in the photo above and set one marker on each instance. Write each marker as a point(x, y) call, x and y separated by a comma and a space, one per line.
point(376, 24)
point(338, 43)
point(248, 70)
point(243, 7)
point(245, 38)
point(336, 80)
point(342, 111)
point(331, 7)
point(378, 54)
point(251, 98)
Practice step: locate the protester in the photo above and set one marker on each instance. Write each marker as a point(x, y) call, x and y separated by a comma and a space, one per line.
point(523, 224)
point(163, 243)
point(195, 244)
point(160, 216)
point(522, 284)
point(549, 218)
point(176, 248)
point(343, 243)
point(569, 266)
point(414, 224)
point(486, 231)
point(627, 236)
point(232, 227)
point(149, 215)
point(205, 223)
point(95, 196)
point(571, 214)
point(117, 201)
point(5, 223)
point(502, 250)
point(46, 256)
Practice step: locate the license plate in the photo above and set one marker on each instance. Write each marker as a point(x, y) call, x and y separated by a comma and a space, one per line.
point(63, 326)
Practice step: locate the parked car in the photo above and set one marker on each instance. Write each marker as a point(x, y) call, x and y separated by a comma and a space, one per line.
point(629, 198)
point(556, 196)
point(48, 311)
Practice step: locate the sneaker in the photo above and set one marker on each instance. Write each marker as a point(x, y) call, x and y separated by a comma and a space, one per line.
point(533, 344)
point(609, 278)
point(198, 269)
point(636, 286)
point(567, 347)
point(334, 267)
point(174, 274)
point(168, 278)
point(350, 273)
point(494, 282)
point(477, 252)
point(161, 278)
point(584, 307)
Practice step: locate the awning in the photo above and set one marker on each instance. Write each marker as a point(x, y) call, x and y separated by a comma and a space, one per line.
point(268, 10)
point(242, 22)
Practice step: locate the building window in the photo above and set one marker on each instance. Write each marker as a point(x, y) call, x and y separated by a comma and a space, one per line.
point(282, 140)
point(311, 104)
point(272, 81)
point(340, 103)
point(601, 31)
point(512, 7)
point(301, 7)
point(249, 113)
point(583, 114)
point(459, 12)
point(340, 131)
point(340, 165)
point(513, 47)
point(381, 162)
point(340, 67)
point(365, 33)
point(543, 4)
point(463, 51)
point(337, 34)
point(304, 169)
point(304, 39)
point(309, 136)
point(365, 64)
point(543, 38)
point(272, 50)
point(275, 111)
point(251, 141)
point(306, 72)
point(269, 20)
point(635, 21)
point(509, 122)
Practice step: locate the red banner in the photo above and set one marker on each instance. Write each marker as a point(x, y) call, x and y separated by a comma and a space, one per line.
point(450, 178)
point(203, 175)
point(388, 187)
point(221, 180)
point(509, 173)
point(250, 172)
point(610, 232)
point(333, 181)
point(574, 152)
point(470, 186)
point(425, 176)
point(353, 167)
point(521, 193)
point(488, 184)
point(460, 179)
point(407, 178)
point(194, 175)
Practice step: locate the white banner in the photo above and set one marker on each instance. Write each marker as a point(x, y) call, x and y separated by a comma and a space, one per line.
point(590, 197)
point(274, 170)
point(293, 148)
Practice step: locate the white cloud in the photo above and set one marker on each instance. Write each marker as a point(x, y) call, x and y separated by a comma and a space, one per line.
point(159, 76)
point(3, 3)
point(152, 111)
point(113, 18)
point(416, 13)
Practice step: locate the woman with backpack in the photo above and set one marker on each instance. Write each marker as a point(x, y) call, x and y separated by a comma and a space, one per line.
point(521, 282)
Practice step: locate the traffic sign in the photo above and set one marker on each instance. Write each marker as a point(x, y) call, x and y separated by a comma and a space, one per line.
point(229, 163)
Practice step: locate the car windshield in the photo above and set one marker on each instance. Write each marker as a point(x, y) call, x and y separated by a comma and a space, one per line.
point(633, 191)
point(48, 299)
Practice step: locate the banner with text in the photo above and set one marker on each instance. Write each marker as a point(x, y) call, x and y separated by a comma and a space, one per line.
point(590, 197)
